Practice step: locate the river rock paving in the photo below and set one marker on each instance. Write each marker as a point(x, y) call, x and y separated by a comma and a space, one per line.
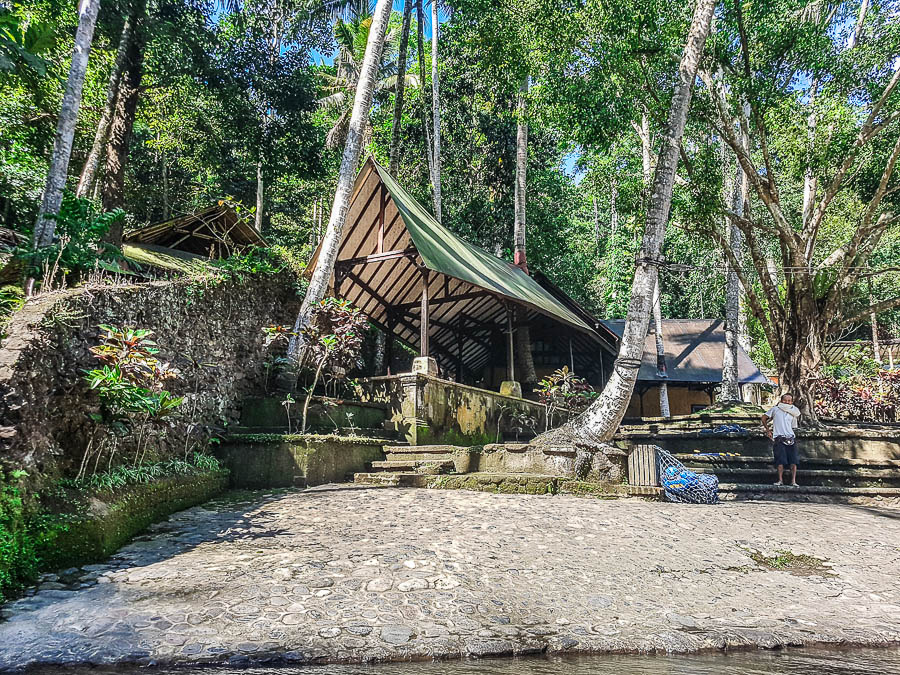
point(351, 574)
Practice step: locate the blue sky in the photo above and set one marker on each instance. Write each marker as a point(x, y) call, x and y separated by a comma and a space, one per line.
point(318, 57)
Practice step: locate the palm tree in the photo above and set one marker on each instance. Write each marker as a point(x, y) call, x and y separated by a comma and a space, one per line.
point(402, 59)
point(436, 108)
point(65, 129)
point(352, 36)
point(523, 334)
point(366, 85)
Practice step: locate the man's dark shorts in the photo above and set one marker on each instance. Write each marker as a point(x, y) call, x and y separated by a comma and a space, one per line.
point(785, 454)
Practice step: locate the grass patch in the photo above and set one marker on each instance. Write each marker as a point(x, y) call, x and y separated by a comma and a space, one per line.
point(794, 563)
point(123, 476)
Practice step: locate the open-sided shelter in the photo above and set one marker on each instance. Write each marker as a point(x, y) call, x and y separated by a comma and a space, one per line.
point(213, 233)
point(441, 295)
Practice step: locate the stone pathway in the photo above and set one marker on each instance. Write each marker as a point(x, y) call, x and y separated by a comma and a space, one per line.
point(344, 573)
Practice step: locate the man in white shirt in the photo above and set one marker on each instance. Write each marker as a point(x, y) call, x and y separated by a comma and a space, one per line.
point(784, 418)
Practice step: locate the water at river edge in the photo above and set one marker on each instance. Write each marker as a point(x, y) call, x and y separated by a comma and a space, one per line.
point(757, 662)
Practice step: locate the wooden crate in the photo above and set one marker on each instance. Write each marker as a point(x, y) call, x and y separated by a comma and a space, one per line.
point(642, 466)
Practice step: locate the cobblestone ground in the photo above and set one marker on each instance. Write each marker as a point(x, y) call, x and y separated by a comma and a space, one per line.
point(359, 574)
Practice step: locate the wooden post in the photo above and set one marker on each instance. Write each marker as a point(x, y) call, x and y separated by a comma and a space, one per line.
point(383, 203)
point(510, 356)
point(459, 347)
point(423, 348)
point(389, 343)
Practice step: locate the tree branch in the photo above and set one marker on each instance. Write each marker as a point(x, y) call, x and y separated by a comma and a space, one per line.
point(882, 306)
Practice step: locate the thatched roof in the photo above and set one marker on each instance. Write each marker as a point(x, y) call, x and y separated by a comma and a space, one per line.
point(214, 232)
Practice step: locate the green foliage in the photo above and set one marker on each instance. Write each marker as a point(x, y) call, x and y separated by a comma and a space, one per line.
point(78, 247)
point(22, 43)
point(858, 360)
point(122, 476)
point(18, 554)
point(129, 380)
point(563, 390)
point(253, 261)
point(11, 300)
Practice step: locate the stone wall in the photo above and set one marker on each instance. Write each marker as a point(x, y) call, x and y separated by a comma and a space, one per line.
point(259, 461)
point(209, 328)
point(429, 410)
point(602, 465)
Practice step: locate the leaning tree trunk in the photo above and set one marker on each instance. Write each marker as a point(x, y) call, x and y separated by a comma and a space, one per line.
point(120, 130)
point(318, 284)
point(89, 171)
point(436, 109)
point(394, 165)
point(65, 128)
point(599, 422)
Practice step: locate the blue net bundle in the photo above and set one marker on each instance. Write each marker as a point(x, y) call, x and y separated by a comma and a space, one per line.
point(680, 484)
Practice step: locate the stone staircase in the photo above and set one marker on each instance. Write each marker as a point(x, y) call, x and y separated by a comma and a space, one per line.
point(743, 476)
point(410, 466)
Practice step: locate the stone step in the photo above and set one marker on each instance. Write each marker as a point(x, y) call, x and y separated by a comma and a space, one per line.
point(691, 459)
point(427, 466)
point(392, 479)
point(769, 489)
point(408, 453)
point(850, 474)
point(875, 478)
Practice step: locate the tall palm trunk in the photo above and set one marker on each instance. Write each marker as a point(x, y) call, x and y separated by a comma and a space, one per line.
point(89, 171)
point(426, 137)
point(521, 172)
point(599, 422)
point(394, 165)
point(120, 130)
point(647, 174)
point(436, 109)
point(362, 104)
point(65, 128)
point(277, 19)
point(523, 332)
point(731, 388)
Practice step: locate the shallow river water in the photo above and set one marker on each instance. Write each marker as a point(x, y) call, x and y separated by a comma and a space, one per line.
point(781, 662)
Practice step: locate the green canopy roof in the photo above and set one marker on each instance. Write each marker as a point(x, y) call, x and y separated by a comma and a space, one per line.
point(444, 252)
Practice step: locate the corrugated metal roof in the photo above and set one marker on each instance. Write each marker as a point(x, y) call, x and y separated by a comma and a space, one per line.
point(695, 350)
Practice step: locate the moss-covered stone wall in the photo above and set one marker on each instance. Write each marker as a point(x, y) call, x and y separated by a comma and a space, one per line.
point(109, 524)
point(259, 461)
point(210, 328)
point(429, 410)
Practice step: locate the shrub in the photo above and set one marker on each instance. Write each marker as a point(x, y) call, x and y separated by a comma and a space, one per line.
point(254, 260)
point(564, 390)
point(867, 398)
point(77, 247)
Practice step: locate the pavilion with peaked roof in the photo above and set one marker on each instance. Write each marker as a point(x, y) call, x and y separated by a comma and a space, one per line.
point(449, 299)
